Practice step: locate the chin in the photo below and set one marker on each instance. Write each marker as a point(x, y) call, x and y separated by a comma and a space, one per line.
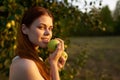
point(43, 46)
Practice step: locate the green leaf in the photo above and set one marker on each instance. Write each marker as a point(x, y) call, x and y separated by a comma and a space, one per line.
point(2, 8)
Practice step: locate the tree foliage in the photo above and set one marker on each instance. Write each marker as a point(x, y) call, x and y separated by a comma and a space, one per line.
point(107, 20)
point(117, 10)
point(11, 12)
point(68, 21)
point(116, 16)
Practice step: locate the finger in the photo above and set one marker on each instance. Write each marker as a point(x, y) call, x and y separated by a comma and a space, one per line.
point(61, 61)
point(57, 53)
point(62, 42)
point(60, 66)
point(60, 46)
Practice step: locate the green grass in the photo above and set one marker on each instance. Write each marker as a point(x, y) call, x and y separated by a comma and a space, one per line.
point(103, 58)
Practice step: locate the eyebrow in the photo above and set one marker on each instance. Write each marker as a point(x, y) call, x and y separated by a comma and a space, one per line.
point(46, 25)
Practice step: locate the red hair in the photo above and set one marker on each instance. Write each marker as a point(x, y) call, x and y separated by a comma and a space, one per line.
point(24, 47)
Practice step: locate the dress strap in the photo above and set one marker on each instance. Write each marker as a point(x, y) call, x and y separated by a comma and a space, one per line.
point(16, 57)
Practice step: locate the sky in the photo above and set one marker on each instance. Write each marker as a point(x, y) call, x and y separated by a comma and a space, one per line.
point(111, 4)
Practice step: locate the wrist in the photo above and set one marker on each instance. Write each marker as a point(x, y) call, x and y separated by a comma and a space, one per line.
point(53, 63)
point(54, 72)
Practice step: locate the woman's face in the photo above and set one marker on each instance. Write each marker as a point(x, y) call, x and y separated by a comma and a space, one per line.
point(40, 31)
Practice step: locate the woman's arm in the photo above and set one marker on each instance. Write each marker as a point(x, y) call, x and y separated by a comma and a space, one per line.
point(54, 72)
point(54, 60)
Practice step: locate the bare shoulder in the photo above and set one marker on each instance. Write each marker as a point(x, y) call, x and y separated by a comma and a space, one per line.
point(23, 63)
point(24, 69)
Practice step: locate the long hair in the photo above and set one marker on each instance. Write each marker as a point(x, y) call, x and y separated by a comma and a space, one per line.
point(24, 47)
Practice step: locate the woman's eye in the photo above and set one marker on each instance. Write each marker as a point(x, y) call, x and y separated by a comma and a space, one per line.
point(41, 27)
point(51, 28)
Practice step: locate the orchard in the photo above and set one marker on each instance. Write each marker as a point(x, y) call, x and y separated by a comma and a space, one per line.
point(68, 21)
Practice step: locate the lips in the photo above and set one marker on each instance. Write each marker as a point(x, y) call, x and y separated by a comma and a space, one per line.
point(45, 40)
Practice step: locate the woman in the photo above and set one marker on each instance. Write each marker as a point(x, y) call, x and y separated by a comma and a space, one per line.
point(36, 31)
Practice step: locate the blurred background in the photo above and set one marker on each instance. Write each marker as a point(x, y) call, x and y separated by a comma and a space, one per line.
point(90, 29)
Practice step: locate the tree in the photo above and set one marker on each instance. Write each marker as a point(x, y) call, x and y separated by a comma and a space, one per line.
point(117, 18)
point(116, 13)
point(10, 16)
point(67, 18)
point(107, 19)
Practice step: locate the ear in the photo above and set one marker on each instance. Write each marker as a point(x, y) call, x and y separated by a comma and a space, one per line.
point(24, 29)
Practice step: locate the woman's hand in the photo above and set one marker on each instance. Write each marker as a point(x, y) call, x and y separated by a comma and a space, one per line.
point(61, 63)
point(56, 60)
point(55, 56)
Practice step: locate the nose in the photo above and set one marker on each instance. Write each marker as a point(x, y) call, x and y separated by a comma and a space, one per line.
point(47, 32)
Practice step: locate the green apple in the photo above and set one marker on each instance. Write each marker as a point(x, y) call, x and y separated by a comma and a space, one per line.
point(52, 45)
point(65, 55)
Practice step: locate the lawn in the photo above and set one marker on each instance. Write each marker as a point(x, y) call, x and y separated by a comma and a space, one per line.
point(102, 59)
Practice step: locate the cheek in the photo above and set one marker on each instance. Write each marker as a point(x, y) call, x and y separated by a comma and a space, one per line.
point(51, 34)
point(35, 36)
